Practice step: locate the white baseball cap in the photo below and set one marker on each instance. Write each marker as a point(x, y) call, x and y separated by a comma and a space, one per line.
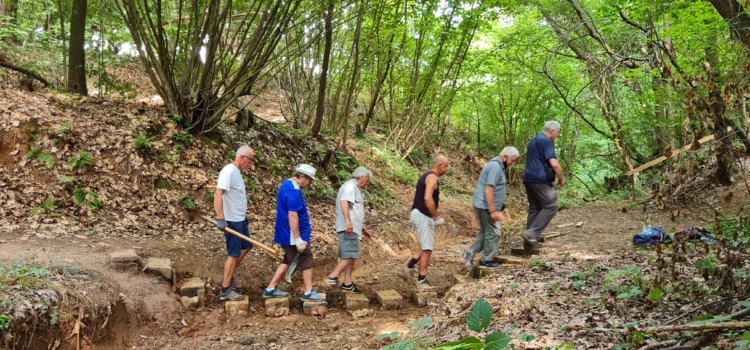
point(306, 169)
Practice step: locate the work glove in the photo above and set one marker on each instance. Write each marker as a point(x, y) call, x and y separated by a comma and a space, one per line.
point(439, 221)
point(221, 224)
point(301, 244)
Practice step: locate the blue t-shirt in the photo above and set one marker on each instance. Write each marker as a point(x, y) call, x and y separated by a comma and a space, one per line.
point(289, 199)
point(538, 153)
point(492, 174)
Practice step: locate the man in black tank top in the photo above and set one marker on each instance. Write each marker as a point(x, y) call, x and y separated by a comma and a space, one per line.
point(424, 216)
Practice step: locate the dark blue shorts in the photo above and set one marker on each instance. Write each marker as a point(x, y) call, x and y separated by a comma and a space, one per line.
point(236, 245)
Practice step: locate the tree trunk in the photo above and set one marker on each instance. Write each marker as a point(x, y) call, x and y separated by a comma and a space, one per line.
point(737, 19)
point(355, 76)
point(77, 62)
point(320, 109)
point(9, 8)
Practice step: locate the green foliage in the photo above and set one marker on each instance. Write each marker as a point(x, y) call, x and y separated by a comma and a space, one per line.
point(49, 205)
point(537, 263)
point(186, 201)
point(182, 138)
point(86, 197)
point(5, 321)
point(142, 142)
point(32, 153)
point(743, 343)
point(81, 160)
point(406, 344)
point(24, 273)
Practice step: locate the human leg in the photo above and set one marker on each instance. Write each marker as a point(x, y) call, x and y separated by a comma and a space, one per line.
point(545, 197)
point(491, 234)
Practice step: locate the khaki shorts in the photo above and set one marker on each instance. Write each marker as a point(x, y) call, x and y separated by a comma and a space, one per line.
point(425, 227)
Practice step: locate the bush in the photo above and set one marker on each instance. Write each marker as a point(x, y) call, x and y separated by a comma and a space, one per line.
point(86, 197)
point(142, 142)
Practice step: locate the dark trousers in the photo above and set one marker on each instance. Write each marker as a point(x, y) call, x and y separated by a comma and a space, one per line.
point(542, 208)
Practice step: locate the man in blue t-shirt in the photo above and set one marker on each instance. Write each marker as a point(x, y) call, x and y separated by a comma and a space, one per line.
point(538, 178)
point(292, 232)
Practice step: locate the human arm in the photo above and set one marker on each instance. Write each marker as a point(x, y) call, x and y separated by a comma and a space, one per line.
point(431, 183)
point(558, 171)
point(489, 195)
point(294, 228)
point(366, 234)
point(221, 224)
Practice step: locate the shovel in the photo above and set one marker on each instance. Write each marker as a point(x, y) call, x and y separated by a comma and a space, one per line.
point(195, 214)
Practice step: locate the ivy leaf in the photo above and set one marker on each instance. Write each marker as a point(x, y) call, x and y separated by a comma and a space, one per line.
point(478, 319)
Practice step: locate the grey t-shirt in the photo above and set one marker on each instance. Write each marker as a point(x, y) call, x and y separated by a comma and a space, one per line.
point(351, 193)
point(492, 174)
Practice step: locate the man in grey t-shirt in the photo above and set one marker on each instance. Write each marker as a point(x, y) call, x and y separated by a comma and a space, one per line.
point(350, 226)
point(488, 202)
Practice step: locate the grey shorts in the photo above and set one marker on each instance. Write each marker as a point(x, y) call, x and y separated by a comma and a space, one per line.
point(425, 227)
point(349, 246)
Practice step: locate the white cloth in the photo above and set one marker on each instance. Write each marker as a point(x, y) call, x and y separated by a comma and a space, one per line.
point(351, 193)
point(234, 199)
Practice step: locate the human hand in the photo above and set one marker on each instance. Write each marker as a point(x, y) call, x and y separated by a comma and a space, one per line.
point(366, 234)
point(221, 224)
point(495, 216)
point(300, 244)
point(439, 221)
point(349, 228)
point(560, 183)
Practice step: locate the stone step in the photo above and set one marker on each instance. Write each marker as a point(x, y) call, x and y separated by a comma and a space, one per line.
point(525, 252)
point(389, 299)
point(424, 298)
point(237, 308)
point(160, 267)
point(462, 279)
point(125, 261)
point(277, 307)
point(315, 308)
point(356, 301)
point(191, 286)
point(509, 259)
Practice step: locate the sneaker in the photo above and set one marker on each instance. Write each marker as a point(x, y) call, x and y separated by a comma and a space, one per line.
point(312, 296)
point(488, 265)
point(351, 288)
point(533, 243)
point(230, 295)
point(275, 293)
point(332, 281)
point(232, 283)
point(423, 285)
point(405, 274)
point(468, 258)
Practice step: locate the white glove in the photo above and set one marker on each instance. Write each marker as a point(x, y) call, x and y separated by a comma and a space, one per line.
point(439, 221)
point(301, 244)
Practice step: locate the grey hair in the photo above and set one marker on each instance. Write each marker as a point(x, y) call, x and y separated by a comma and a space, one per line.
point(551, 126)
point(361, 172)
point(243, 151)
point(510, 151)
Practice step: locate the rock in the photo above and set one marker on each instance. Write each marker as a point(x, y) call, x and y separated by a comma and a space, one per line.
point(235, 308)
point(389, 299)
point(355, 301)
point(315, 308)
point(125, 261)
point(579, 224)
point(189, 302)
point(566, 225)
point(191, 287)
point(247, 339)
point(462, 279)
point(359, 313)
point(277, 307)
point(424, 298)
point(159, 266)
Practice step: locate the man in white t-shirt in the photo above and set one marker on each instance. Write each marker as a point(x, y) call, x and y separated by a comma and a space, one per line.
point(350, 226)
point(230, 204)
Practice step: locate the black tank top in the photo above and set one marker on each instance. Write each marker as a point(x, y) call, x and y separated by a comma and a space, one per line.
point(419, 196)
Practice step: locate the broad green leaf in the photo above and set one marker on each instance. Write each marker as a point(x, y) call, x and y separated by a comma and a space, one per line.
point(526, 337)
point(466, 343)
point(497, 341)
point(655, 294)
point(478, 319)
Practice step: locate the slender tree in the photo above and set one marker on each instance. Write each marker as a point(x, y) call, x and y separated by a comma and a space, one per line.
point(77, 54)
point(320, 107)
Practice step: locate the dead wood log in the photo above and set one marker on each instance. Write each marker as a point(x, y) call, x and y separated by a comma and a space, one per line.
point(698, 327)
point(11, 66)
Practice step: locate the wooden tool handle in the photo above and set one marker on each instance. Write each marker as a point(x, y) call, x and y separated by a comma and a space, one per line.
point(270, 250)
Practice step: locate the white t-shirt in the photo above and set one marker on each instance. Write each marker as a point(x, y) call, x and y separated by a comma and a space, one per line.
point(351, 193)
point(234, 198)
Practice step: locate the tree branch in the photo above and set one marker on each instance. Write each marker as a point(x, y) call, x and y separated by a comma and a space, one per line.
point(11, 66)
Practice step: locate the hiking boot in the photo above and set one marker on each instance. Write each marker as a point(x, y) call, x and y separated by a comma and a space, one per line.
point(468, 258)
point(230, 295)
point(332, 281)
point(530, 242)
point(405, 274)
point(350, 288)
point(424, 286)
point(232, 283)
point(312, 296)
point(488, 265)
point(275, 293)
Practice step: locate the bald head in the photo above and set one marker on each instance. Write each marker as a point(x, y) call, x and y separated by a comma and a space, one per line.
point(440, 165)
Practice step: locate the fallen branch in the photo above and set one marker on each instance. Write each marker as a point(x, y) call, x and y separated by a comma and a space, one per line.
point(11, 66)
point(698, 327)
point(659, 344)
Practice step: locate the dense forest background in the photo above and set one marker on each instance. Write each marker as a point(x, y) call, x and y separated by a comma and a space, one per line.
point(629, 80)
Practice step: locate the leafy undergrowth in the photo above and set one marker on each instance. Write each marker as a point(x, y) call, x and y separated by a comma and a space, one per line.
point(620, 302)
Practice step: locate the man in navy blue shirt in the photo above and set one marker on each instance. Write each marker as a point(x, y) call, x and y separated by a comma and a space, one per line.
point(539, 176)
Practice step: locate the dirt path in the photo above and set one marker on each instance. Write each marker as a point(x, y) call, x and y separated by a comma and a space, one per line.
point(163, 324)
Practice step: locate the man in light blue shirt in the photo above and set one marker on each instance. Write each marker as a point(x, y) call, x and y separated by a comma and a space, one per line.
point(488, 202)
